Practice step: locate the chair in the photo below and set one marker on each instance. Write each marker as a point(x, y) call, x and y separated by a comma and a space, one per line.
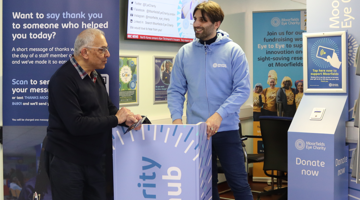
point(249, 158)
point(274, 132)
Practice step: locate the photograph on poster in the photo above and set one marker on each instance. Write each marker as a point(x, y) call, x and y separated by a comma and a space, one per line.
point(162, 68)
point(325, 62)
point(128, 80)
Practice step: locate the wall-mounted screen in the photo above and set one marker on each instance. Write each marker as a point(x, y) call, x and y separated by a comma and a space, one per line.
point(161, 20)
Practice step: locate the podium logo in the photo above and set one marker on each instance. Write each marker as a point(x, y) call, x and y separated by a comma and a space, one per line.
point(299, 144)
point(275, 21)
point(149, 179)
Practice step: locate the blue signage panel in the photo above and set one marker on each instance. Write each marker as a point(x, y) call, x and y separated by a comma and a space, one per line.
point(38, 37)
point(277, 46)
point(162, 162)
point(324, 62)
point(317, 169)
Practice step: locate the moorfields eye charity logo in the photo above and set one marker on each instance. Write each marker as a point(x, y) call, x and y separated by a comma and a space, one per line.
point(275, 21)
point(299, 144)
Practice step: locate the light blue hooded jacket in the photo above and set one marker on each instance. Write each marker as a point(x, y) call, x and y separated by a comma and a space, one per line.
point(216, 77)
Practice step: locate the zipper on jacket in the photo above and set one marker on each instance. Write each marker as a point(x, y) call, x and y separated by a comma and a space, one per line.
point(207, 97)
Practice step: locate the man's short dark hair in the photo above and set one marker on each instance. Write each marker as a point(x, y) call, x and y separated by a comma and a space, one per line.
point(212, 10)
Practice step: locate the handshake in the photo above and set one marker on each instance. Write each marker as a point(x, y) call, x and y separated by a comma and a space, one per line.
point(125, 115)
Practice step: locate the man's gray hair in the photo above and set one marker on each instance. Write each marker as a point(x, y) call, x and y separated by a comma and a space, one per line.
point(86, 38)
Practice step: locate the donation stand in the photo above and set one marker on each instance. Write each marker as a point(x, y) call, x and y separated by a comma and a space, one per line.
point(165, 162)
point(317, 154)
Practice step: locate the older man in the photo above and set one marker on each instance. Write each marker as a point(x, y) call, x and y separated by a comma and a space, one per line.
point(81, 116)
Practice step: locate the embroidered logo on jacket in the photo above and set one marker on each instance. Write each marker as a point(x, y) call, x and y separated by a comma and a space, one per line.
point(215, 65)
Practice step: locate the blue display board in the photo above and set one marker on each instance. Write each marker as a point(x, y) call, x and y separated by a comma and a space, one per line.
point(38, 37)
point(277, 45)
point(325, 58)
point(321, 74)
point(277, 57)
point(162, 162)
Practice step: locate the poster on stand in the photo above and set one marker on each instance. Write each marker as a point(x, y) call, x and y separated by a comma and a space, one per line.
point(277, 67)
point(38, 38)
point(163, 66)
point(128, 80)
point(325, 62)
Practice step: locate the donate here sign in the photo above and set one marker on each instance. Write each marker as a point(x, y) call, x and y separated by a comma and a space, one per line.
point(165, 162)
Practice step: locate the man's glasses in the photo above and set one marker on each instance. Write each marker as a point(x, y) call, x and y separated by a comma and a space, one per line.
point(102, 49)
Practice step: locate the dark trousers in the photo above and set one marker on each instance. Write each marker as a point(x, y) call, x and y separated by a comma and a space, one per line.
point(71, 181)
point(267, 113)
point(227, 147)
point(290, 111)
point(256, 116)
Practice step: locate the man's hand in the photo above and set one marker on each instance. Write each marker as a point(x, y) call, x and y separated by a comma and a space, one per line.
point(213, 124)
point(123, 114)
point(177, 121)
point(133, 119)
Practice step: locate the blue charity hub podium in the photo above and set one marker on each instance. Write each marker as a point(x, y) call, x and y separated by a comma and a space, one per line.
point(317, 153)
point(165, 162)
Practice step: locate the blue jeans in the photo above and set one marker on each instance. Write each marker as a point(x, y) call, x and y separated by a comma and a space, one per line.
point(227, 146)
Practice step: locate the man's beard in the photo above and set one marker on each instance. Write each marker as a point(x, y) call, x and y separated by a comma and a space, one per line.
point(203, 35)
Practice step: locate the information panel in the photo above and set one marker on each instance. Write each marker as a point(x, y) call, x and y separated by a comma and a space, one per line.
point(325, 61)
point(278, 59)
point(37, 40)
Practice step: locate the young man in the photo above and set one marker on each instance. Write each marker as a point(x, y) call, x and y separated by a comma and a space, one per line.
point(215, 73)
point(81, 116)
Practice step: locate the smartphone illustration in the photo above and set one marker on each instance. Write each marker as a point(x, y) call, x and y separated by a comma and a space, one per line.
point(324, 52)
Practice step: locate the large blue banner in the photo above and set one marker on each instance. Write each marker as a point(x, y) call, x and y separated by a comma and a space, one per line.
point(277, 57)
point(38, 38)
